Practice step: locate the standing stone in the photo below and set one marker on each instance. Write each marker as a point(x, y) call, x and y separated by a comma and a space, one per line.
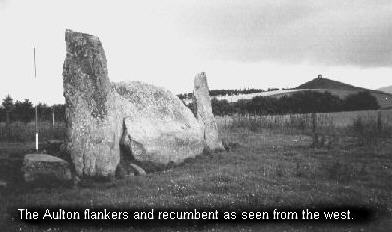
point(151, 125)
point(92, 130)
point(42, 167)
point(204, 113)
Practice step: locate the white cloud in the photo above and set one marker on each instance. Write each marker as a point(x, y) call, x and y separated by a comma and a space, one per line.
point(320, 32)
point(274, 43)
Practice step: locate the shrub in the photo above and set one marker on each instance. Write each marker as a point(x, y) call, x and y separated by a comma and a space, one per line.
point(297, 103)
point(360, 101)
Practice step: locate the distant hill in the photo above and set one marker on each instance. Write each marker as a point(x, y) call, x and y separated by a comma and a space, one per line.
point(342, 90)
point(387, 89)
point(325, 83)
point(336, 88)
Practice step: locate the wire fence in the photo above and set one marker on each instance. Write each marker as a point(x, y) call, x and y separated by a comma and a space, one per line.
point(25, 132)
point(323, 123)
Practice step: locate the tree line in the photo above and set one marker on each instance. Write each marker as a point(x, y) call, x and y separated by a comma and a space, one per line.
point(298, 102)
point(227, 92)
point(24, 111)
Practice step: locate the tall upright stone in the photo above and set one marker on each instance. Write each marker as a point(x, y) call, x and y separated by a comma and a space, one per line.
point(151, 125)
point(204, 113)
point(92, 129)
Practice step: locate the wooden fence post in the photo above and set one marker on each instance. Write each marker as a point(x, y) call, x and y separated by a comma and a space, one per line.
point(314, 129)
point(379, 123)
point(7, 118)
point(314, 122)
point(52, 117)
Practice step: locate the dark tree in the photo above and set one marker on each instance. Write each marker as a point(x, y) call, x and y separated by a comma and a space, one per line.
point(8, 104)
point(24, 111)
point(59, 112)
point(362, 100)
point(222, 107)
point(298, 102)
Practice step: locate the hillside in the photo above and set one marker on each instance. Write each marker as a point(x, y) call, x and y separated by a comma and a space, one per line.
point(387, 89)
point(336, 88)
point(342, 90)
point(325, 83)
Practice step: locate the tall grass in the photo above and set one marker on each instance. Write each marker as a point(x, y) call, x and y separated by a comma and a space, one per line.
point(285, 123)
point(366, 126)
point(25, 132)
point(363, 124)
point(368, 132)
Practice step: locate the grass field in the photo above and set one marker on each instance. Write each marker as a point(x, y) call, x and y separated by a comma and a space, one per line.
point(25, 132)
point(264, 169)
point(303, 123)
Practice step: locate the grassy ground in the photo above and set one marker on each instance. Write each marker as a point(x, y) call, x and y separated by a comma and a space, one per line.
point(337, 120)
point(25, 132)
point(264, 169)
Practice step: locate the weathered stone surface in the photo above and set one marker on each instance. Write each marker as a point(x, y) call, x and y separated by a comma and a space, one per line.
point(158, 128)
point(138, 170)
point(92, 136)
point(42, 167)
point(151, 124)
point(204, 113)
point(3, 184)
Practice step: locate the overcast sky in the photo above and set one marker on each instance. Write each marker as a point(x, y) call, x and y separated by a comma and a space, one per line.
point(238, 43)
